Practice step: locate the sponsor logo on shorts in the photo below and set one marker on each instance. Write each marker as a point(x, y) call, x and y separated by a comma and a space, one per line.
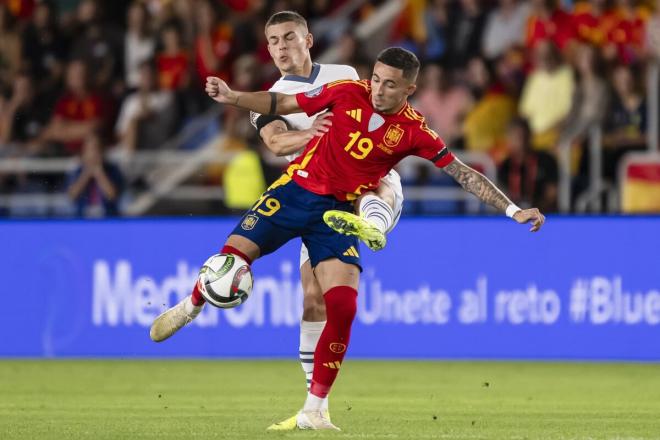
point(337, 347)
point(249, 221)
point(314, 92)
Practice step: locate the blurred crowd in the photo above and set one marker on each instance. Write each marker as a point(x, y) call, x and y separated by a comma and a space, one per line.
point(517, 79)
point(513, 79)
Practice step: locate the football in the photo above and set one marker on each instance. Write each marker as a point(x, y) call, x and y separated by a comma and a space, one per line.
point(225, 280)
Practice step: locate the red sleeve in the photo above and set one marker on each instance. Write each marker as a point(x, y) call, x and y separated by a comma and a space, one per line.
point(429, 146)
point(318, 99)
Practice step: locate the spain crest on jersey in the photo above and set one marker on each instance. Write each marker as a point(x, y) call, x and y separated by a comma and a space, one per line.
point(249, 221)
point(393, 135)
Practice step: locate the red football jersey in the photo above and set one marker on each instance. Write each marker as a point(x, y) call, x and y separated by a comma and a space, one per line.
point(362, 145)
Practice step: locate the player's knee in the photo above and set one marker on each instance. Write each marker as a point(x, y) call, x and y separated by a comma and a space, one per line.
point(313, 303)
point(313, 309)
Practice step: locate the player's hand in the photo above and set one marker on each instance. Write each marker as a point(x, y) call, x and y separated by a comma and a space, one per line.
point(219, 90)
point(530, 215)
point(321, 124)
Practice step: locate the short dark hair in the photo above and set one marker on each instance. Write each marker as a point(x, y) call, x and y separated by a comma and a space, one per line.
point(401, 58)
point(286, 17)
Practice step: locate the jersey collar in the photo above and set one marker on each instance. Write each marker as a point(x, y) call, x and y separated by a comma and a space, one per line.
point(316, 68)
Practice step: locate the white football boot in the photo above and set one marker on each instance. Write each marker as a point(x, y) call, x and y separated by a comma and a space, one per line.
point(292, 423)
point(317, 420)
point(171, 321)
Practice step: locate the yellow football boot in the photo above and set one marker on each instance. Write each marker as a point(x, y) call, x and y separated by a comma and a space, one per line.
point(347, 223)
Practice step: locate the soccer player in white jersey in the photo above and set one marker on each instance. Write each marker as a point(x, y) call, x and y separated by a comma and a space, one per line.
point(289, 42)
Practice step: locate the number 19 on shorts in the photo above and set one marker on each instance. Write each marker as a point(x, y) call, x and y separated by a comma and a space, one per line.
point(266, 205)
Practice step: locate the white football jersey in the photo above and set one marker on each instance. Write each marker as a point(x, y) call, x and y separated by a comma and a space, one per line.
point(292, 84)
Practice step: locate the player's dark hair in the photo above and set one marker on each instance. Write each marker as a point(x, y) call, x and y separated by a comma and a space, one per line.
point(286, 17)
point(401, 58)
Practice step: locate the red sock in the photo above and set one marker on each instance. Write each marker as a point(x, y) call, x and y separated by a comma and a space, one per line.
point(340, 306)
point(196, 297)
point(232, 250)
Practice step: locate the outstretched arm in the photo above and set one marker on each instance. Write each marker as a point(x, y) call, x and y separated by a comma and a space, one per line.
point(479, 185)
point(266, 103)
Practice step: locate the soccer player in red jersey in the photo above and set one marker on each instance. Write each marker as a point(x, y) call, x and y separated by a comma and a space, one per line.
point(333, 170)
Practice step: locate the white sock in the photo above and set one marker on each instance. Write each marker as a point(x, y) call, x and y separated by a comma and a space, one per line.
point(191, 309)
point(313, 403)
point(376, 211)
point(310, 332)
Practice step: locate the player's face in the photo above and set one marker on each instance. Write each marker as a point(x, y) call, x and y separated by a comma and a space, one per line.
point(389, 89)
point(288, 45)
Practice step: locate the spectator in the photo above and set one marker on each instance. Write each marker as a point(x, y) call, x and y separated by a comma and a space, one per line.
point(10, 47)
point(98, 44)
point(549, 22)
point(625, 40)
point(547, 95)
point(625, 127)
point(435, 21)
point(44, 49)
point(591, 96)
point(505, 27)
point(95, 185)
point(510, 70)
point(23, 115)
point(465, 28)
point(529, 177)
point(443, 103)
point(212, 43)
point(172, 62)
point(180, 12)
point(243, 180)
point(485, 124)
point(593, 20)
point(139, 43)
point(148, 116)
point(79, 112)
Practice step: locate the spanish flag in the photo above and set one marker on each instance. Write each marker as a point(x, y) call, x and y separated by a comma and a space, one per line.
point(641, 188)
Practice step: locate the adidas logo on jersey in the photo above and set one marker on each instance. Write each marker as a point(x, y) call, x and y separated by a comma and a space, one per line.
point(355, 114)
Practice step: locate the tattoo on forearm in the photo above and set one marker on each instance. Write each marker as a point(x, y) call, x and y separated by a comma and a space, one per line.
point(477, 184)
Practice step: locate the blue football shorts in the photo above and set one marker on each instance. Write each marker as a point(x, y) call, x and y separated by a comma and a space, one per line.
point(286, 211)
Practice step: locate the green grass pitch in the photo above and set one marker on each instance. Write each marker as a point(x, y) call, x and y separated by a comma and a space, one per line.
point(121, 399)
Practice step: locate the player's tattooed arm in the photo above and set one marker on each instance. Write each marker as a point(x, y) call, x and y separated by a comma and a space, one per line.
point(266, 103)
point(478, 184)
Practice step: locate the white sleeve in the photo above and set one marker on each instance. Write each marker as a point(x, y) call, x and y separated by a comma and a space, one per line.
point(352, 73)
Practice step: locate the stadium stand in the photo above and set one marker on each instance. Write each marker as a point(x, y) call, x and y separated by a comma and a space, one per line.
point(129, 72)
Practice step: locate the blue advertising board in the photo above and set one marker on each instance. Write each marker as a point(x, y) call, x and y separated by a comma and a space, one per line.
point(463, 288)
